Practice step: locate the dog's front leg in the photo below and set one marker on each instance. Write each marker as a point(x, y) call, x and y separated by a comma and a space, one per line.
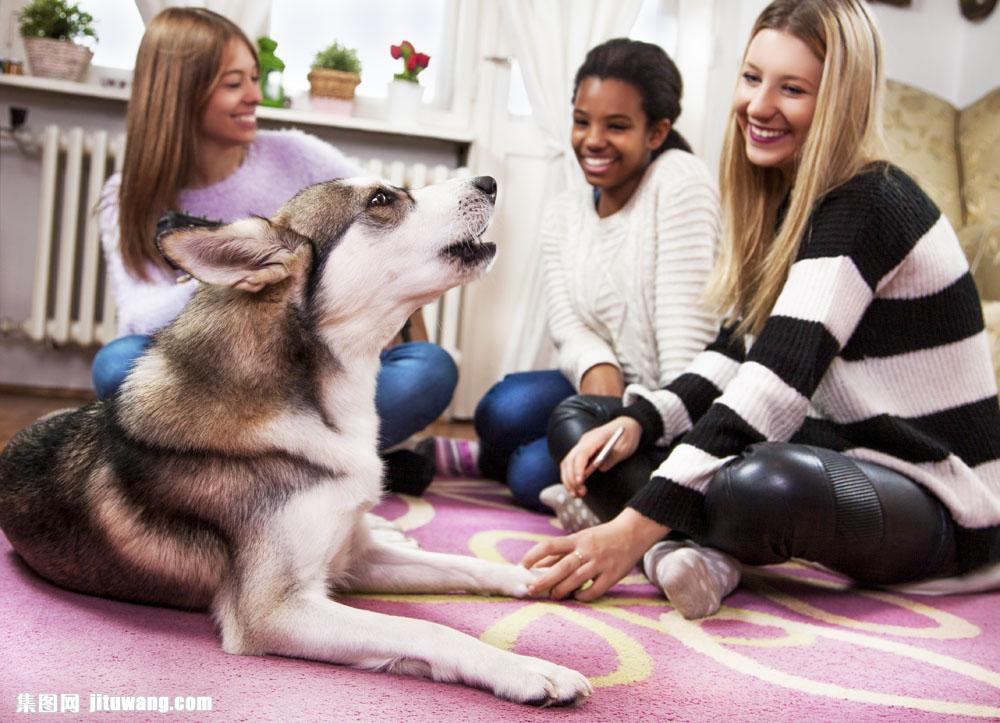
point(310, 625)
point(386, 567)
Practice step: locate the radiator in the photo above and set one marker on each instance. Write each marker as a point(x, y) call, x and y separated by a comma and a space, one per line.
point(71, 299)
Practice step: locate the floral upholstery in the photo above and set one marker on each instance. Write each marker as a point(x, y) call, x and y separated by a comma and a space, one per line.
point(920, 132)
point(979, 146)
point(955, 156)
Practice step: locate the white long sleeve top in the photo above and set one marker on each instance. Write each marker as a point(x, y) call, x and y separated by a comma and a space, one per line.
point(626, 289)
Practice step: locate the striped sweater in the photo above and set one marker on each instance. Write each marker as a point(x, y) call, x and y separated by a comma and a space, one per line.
point(624, 290)
point(875, 348)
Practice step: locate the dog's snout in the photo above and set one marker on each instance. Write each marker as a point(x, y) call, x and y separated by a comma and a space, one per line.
point(486, 184)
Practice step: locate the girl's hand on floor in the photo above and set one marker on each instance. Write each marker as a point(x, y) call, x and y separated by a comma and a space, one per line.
point(604, 554)
point(574, 468)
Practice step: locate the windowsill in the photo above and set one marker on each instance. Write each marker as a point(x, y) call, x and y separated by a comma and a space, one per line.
point(290, 115)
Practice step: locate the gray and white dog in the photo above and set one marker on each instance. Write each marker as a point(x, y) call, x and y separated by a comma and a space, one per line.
point(234, 468)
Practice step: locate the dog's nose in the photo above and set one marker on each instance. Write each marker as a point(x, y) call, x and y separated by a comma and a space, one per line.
point(486, 184)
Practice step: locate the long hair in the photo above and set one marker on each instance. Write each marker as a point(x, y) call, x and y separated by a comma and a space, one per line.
point(650, 70)
point(845, 136)
point(176, 69)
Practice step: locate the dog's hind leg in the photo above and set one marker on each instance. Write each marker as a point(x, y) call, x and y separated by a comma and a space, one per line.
point(386, 567)
point(310, 625)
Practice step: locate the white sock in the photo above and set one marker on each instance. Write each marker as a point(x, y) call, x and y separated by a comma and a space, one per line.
point(572, 512)
point(695, 579)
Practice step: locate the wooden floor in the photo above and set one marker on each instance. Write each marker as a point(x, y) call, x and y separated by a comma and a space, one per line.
point(18, 409)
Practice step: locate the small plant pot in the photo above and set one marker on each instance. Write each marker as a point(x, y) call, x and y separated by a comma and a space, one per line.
point(327, 83)
point(403, 102)
point(62, 59)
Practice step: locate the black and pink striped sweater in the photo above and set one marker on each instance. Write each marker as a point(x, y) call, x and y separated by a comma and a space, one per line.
point(875, 348)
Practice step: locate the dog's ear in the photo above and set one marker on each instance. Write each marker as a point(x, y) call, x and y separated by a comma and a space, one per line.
point(247, 255)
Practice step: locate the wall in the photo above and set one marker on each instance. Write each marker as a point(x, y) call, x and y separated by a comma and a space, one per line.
point(932, 46)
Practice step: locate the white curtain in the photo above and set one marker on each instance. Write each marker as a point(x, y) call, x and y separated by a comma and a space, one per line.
point(253, 16)
point(550, 39)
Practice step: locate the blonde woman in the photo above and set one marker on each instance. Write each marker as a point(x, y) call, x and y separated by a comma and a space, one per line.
point(193, 147)
point(847, 414)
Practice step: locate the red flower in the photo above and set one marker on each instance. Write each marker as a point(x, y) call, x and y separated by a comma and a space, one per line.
point(411, 62)
point(406, 47)
point(422, 59)
point(394, 51)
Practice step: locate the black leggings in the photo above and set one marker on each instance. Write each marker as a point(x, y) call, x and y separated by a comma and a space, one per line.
point(779, 500)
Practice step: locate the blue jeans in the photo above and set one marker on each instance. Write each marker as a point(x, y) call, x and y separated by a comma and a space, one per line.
point(511, 422)
point(415, 384)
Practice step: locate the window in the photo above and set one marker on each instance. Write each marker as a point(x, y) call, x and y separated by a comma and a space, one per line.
point(304, 27)
point(119, 31)
point(654, 24)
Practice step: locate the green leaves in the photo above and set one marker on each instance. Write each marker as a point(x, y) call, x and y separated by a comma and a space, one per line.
point(338, 57)
point(56, 19)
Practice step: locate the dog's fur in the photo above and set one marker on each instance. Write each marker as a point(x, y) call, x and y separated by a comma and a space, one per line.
point(234, 468)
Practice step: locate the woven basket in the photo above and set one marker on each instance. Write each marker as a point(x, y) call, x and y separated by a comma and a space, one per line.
point(48, 58)
point(333, 83)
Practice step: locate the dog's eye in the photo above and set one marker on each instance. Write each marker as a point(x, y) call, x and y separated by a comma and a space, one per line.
point(379, 198)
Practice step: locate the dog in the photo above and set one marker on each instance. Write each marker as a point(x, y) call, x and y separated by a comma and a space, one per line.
point(235, 467)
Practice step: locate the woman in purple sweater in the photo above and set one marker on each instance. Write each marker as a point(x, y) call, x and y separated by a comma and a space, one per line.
point(193, 146)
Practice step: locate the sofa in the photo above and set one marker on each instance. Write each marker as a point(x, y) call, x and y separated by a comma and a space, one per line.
point(955, 156)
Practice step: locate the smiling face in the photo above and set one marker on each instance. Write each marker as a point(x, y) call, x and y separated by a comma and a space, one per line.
point(229, 118)
point(775, 99)
point(611, 138)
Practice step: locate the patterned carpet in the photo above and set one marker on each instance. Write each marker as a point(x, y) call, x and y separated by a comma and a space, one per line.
point(790, 644)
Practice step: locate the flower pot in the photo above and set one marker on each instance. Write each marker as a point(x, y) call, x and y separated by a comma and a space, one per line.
point(328, 83)
point(403, 101)
point(63, 59)
point(332, 91)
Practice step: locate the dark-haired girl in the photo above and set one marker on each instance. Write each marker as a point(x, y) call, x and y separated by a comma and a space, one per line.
point(625, 261)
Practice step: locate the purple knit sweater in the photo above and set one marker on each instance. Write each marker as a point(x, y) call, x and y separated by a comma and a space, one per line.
point(278, 165)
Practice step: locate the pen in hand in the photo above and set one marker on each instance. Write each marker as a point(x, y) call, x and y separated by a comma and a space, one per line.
point(599, 458)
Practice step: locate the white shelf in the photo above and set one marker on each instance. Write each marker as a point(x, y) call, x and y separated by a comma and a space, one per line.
point(64, 86)
point(284, 115)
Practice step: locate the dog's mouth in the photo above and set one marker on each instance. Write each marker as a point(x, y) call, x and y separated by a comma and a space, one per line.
point(471, 252)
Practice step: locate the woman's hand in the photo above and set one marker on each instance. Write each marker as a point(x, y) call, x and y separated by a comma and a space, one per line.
point(605, 554)
point(575, 466)
point(604, 380)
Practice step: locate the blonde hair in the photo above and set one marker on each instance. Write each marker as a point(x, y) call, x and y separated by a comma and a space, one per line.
point(176, 69)
point(844, 137)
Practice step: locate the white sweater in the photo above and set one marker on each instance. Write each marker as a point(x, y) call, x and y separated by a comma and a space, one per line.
point(625, 289)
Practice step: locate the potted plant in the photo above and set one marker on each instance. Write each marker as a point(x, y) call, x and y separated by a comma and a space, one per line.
point(405, 91)
point(49, 29)
point(335, 73)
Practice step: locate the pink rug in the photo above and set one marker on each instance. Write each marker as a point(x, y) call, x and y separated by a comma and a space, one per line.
point(791, 644)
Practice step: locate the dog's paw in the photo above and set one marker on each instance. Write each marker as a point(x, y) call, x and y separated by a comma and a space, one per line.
point(513, 581)
point(534, 681)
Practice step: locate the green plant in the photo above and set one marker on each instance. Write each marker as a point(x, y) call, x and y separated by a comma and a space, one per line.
point(338, 57)
point(56, 19)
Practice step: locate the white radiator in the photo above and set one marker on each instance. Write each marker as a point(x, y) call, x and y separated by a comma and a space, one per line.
point(71, 300)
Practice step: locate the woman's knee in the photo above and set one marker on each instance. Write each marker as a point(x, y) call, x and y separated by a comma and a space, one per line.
point(515, 411)
point(114, 361)
point(576, 415)
point(418, 375)
point(755, 506)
